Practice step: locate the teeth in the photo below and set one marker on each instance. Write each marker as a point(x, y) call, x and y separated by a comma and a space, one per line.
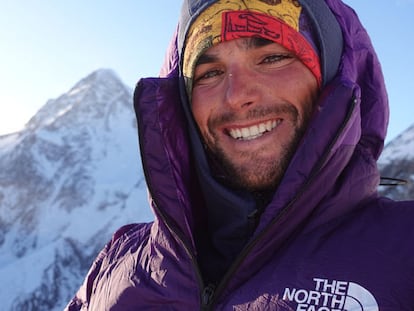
point(262, 127)
point(252, 132)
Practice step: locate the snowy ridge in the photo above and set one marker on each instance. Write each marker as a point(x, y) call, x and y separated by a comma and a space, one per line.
point(397, 161)
point(402, 147)
point(69, 179)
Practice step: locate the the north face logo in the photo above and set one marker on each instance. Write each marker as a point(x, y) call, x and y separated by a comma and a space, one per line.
point(332, 296)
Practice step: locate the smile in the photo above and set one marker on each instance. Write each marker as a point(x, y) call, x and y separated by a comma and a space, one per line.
point(254, 131)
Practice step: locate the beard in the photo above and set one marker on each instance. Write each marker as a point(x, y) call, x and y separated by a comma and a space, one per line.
point(256, 173)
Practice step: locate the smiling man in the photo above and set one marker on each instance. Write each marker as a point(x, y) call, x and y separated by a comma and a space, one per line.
point(252, 99)
point(259, 144)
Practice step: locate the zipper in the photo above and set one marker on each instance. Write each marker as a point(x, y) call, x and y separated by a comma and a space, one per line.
point(207, 297)
point(206, 293)
point(170, 224)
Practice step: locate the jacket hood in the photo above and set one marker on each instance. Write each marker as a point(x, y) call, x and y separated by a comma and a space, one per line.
point(333, 170)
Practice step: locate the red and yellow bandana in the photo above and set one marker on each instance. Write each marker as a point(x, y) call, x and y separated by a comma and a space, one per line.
point(275, 20)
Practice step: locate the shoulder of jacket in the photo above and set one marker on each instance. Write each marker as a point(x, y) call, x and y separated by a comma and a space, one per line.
point(129, 234)
point(131, 230)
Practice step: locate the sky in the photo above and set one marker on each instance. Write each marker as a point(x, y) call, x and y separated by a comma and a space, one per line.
point(46, 47)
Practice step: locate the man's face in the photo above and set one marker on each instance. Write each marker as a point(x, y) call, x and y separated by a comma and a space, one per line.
point(251, 100)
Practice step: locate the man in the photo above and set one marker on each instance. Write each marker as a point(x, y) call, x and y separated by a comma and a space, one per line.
point(259, 145)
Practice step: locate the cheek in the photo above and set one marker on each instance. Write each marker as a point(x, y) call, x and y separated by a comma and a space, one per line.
point(201, 112)
point(302, 88)
point(308, 95)
point(203, 105)
point(197, 110)
point(201, 119)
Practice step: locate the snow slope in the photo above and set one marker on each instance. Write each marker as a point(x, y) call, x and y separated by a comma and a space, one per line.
point(67, 182)
point(397, 161)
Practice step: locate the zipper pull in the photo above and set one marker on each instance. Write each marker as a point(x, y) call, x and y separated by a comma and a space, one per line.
point(208, 294)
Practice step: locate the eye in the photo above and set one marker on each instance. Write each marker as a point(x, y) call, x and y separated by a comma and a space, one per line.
point(207, 75)
point(276, 58)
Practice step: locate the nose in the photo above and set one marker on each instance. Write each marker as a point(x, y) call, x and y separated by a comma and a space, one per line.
point(241, 91)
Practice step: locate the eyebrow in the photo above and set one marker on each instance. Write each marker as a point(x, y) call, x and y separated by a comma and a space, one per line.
point(206, 59)
point(257, 42)
point(249, 43)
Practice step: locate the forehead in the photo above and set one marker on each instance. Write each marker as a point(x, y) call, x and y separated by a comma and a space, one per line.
point(252, 42)
point(244, 44)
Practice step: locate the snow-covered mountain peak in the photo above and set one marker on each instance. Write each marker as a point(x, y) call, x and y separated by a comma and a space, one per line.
point(101, 81)
point(86, 101)
point(397, 162)
point(68, 180)
point(400, 148)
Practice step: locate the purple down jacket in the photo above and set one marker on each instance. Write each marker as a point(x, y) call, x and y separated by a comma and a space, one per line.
point(326, 241)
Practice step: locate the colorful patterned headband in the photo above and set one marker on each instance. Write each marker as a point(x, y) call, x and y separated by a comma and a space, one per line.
point(280, 21)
